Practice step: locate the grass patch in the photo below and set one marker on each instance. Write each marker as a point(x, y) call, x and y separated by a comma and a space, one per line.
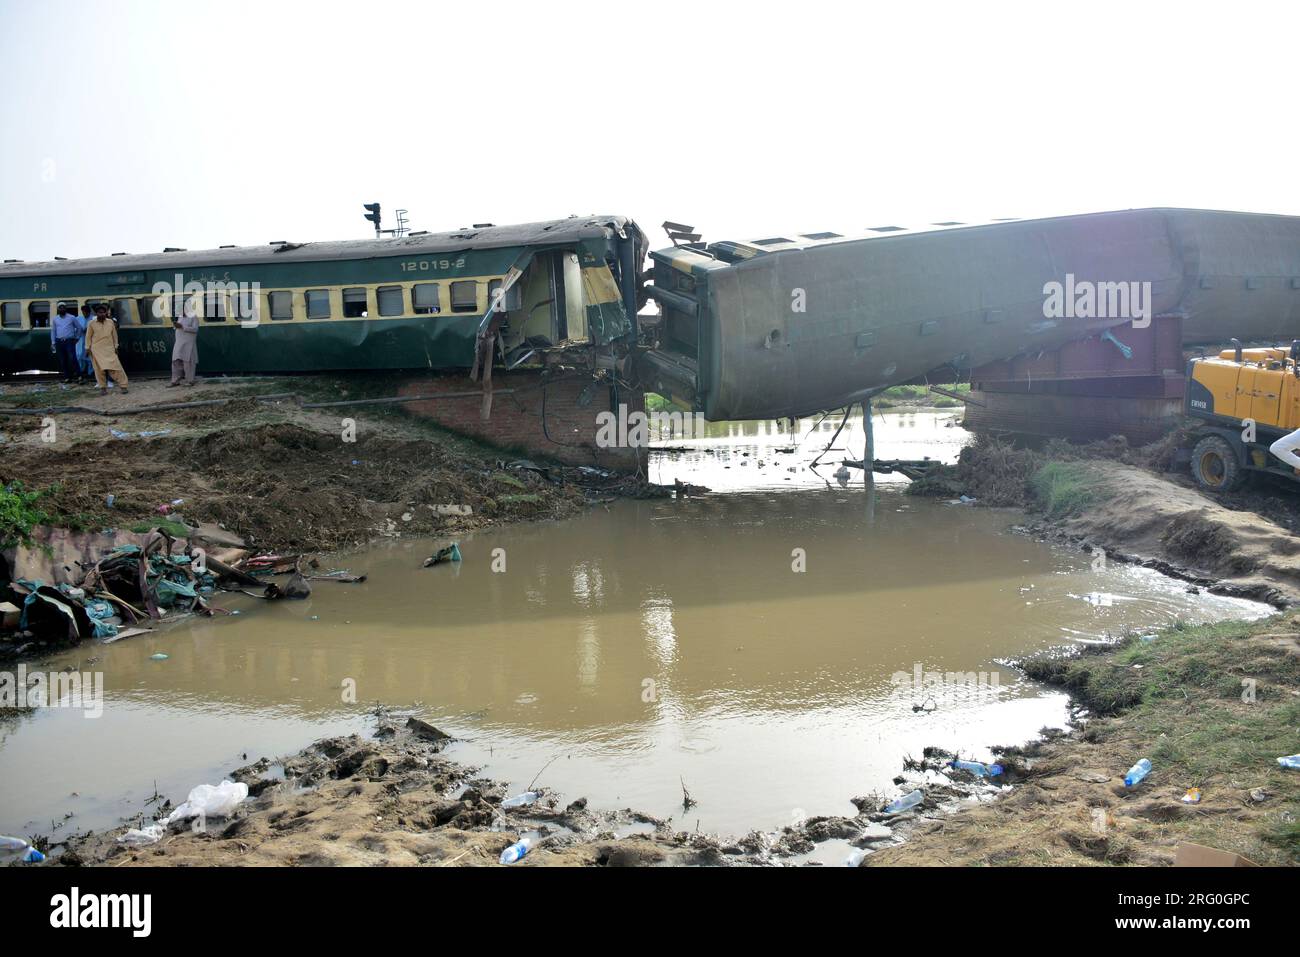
point(22, 509)
point(1063, 489)
point(20, 512)
point(525, 499)
point(897, 395)
point(1211, 706)
point(658, 403)
point(173, 528)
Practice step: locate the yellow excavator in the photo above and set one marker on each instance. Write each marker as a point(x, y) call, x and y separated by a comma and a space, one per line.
point(1246, 399)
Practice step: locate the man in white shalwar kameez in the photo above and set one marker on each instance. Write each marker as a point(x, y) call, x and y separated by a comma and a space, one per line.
point(185, 353)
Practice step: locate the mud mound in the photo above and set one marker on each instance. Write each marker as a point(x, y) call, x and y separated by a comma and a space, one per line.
point(283, 486)
point(1197, 538)
point(234, 411)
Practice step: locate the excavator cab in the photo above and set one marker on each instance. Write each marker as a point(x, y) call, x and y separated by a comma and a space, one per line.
point(1246, 399)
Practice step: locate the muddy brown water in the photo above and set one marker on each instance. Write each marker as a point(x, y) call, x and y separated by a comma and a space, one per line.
point(623, 652)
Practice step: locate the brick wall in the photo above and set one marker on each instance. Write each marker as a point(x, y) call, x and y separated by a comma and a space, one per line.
point(571, 405)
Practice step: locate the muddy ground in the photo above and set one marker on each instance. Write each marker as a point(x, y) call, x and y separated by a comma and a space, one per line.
point(281, 477)
point(1211, 707)
point(391, 799)
point(1125, 502)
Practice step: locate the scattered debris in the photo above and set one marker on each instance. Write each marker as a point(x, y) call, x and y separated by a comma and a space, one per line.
point(1137, 773)
point(688, 802)
point(1197, 855)
point(448, 553)
point(904, 803)
point(516, 850)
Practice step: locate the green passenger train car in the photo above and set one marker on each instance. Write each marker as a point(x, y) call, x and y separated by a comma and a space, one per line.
point(415, 302)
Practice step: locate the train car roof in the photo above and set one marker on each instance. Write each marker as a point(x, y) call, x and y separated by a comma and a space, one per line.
point(732, 251)
point(555, 232)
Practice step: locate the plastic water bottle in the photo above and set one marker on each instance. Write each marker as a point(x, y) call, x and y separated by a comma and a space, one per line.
point(977, 769)
point(516, 850)
point(905, 802)
point(519, 800)
point(1137, 773)
point(855, 859)
point(1290, 761)
point(30, 855)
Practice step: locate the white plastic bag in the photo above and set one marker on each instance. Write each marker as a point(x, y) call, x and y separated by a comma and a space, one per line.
point(210, 801)
point(142, 837)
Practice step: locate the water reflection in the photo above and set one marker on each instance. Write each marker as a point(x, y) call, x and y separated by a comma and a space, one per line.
point(632, 647)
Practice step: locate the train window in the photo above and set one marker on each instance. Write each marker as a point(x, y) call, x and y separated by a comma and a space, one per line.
point(391, 300)
point(214, 307)
point(511, 299)
point(281, 305)
point(121, 309)
point(248, 307)
point(39, 314)
point(149, 310)
point(424, 297)
point(178, 305)
point(318, 303)
point(11, 315)
point(354, 303)
point(464, 296)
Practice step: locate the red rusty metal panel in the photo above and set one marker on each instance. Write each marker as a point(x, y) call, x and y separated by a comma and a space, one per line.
point(1156, 350)
point(1076, 417)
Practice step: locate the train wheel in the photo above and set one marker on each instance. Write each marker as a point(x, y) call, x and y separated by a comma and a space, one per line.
point(1215, 466)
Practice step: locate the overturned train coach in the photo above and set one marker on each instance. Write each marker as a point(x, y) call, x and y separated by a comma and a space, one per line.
point(427, 301)
point(790, 325)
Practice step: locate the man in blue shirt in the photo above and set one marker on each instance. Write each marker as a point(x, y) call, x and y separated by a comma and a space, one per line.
point(84, 370)
point(64, 333)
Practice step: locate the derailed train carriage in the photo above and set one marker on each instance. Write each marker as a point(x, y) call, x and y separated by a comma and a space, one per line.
point(425, 301)
point(780, 326)
point(790, 325)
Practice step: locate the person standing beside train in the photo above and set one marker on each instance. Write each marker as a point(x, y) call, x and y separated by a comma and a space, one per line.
point(185, 352)
point(84, 369)
point(64, 332)
point(101, 346)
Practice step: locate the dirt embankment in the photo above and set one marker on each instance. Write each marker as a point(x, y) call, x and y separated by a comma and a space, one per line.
point(1117, 499)
point(1212, 707)
point(1139, 516)
point(281, 477)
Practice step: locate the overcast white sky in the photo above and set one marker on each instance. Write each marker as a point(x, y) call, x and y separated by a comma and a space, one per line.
point(130, 126)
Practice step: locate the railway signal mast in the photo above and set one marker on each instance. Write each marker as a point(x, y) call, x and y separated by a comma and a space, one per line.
point(374, 215)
